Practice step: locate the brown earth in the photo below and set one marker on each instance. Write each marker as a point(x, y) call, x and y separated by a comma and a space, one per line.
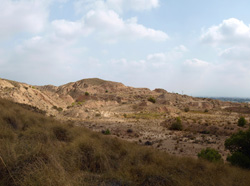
point(127, 113)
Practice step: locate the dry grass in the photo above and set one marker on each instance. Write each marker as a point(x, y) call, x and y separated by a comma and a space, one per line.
point(145, 115)
point(36, 150)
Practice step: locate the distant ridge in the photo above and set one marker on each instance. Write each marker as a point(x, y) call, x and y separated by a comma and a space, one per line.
point(231, 99)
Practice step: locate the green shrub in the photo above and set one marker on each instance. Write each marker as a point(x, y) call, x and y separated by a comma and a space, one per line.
point(86, 94)
point(239, 146)
point(239, 159)
point(59, 109)
point(186, 109)
point(242, 122)
point(106, 132)
point(210, 154)
point(78, 103)
point(152, 99)
point(177, 124)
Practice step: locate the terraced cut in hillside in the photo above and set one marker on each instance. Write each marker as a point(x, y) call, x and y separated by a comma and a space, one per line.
point(136, 114)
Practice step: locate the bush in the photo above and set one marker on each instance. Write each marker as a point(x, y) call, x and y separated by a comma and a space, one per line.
point(106, 132)
point(242, 122)
point(239, 159)
point(239, 146)
point(177, 125)
point(210, 154)
point(86, 94)
point(152, 99)
point(186, 109)
point(59, 109)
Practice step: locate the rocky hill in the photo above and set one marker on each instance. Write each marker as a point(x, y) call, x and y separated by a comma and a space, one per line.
point(135, 114)
point(88, 97)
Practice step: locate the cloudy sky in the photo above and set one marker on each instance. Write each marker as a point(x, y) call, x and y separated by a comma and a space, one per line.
point(199, 48)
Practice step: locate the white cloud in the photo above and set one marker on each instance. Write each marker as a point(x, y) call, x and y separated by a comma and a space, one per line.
point(116, 5)
point(156, 60)
point(231, 31)
point(237, 54)
point(22, 16)
point(157, 57)
point(137, 5)
point(232, 41)
point(196, 63)
point(68, 29)
point(109, 26)
point(52, 59)
point(103, 18)
point(171, 56)
point(181, 48)
point(139, 31)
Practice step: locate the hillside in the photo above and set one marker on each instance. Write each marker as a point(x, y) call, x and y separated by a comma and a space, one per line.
point(140, 115)
point(104, 97)
point(38, 150)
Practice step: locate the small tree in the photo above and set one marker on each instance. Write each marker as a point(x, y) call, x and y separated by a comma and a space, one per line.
point(239, 146)
point(86, 94)
point(242, 122)
point(210, 154)
point(176, 125)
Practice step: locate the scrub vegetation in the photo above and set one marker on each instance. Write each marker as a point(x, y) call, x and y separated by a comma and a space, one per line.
point(38, 150)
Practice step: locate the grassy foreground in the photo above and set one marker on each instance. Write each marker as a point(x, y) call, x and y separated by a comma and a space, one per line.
point(37, 150)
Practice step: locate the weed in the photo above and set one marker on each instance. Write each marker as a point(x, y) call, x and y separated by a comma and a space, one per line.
point(59, 109)
point(106, 132)
point(242, 122)
point(210, 154)
point(152, 99)
point(177, 124)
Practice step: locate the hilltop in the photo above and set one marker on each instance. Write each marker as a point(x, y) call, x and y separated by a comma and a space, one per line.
point(135, 114)
point(102, 97)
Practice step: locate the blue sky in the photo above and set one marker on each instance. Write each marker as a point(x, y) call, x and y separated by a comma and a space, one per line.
point(200, 48)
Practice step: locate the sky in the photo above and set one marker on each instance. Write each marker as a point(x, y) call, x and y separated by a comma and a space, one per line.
point(194, 47)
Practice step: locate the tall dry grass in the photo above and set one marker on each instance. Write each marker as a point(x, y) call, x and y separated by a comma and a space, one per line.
point(37, 150)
